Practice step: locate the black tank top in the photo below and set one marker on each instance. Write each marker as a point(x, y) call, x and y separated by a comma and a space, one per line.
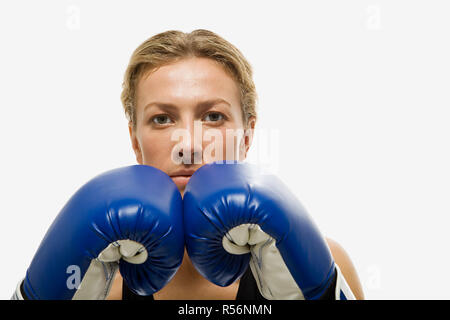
point(248, 290)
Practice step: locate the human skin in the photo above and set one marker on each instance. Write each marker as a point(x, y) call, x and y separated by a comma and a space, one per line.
point(174, 138)
point(183, 88)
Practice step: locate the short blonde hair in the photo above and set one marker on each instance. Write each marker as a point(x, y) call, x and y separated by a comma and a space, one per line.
point(171, 46)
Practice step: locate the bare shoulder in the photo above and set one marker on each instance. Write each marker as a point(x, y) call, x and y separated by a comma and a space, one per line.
point(344, 262)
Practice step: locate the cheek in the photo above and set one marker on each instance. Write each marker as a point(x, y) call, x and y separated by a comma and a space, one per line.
point(156, 149)
point(225, 144)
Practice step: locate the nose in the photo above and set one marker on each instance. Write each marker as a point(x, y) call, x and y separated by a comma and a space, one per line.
point(189, 150)
point(187, 155)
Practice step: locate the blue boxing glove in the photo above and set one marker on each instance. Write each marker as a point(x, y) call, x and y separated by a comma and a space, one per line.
point(234, 215)
point(129, 219)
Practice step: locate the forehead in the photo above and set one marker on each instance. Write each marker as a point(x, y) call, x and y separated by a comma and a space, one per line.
point(188, 79)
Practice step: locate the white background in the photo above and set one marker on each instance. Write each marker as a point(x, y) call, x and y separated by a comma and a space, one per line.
point(355, 95)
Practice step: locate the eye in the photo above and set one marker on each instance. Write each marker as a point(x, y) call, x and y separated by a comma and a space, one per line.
point(161, 119)
point(214, 117)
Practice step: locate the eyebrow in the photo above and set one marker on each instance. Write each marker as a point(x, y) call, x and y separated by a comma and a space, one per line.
point(201, 105)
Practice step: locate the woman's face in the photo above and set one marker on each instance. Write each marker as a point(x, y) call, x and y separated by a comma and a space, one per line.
point(187, 114)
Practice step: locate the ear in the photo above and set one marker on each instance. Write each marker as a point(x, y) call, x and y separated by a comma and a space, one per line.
point(248, 135)
point(135, 143)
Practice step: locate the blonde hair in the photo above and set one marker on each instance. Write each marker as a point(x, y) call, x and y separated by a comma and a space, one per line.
point(171, 46)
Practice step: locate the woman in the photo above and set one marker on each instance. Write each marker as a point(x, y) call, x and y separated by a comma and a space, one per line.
point(190, 100)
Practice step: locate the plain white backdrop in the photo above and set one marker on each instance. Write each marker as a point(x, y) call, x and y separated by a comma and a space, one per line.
point(354, 116)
